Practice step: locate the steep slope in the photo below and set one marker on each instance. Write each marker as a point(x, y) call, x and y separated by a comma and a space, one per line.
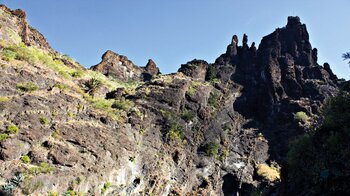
point(209, 129)
point(279, 79)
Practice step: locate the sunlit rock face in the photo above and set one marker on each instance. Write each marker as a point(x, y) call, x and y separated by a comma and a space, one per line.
point(121, 129)
point(121, 68)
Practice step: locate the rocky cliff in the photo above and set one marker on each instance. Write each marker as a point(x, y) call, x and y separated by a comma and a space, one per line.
point(210, 129)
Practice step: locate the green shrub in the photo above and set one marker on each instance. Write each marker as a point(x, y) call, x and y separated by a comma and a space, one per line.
point(77, 74)
point(142, 131)
point(102, 103)
point(123, 104)
point(8, 54)
point(27, 87)
point(320, 159)
point(214, 99)
point(70, 193)
point(3, 136)
point(12, 129)
point(191, 91)
point(224, 153)
point(26, 159)
point(60, 86)
point(4, 99)
point(105, 187)
point(44, 120)
point(301, 117)
point(175, 132)
point(211, 72)
point(92, 85)
point(187, 115)
point(41, 168)
point(53, 193)
point(56, 134)
point(71, 115)
point(212, 149)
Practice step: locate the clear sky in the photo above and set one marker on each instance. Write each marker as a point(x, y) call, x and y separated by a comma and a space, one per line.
point(172, 32)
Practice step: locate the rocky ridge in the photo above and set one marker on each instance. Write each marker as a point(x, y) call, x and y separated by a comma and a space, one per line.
point(121, 68)
point(117, 128)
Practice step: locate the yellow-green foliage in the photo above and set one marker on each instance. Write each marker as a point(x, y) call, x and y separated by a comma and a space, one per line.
point(35, 55)
point(212, 149)
point(61, 86)
point(112, 83)
point(27, 87)
point(175, 132)
point(105, 187)
point(53, 193)
point(70, 193)
point(270, 173)
point(14, 37)
point(8, 54)
point(41, 168)
point(123, 104)
point(26, 159)
point(214, 99)
point(3, 136)
point(56, 134)
point(105, 106)
point(301, 117)
point(44, 120)
point(4, 99)
point(224, 153)
point(77, 74)
point(12, 129)
point(192, 90)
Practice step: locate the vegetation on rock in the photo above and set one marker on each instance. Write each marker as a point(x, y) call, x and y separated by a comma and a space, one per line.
point(12, 129)
point(319, 161)
point(27, 87)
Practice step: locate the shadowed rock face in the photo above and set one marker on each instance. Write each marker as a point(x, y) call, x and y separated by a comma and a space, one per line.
point(195, 69)
point(200, 131)
point(279, 79)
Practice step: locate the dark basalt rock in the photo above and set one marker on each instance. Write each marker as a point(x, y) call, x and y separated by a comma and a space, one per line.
point(218, 121)
point(195, 69)
point(284, 69)
point(152, 68)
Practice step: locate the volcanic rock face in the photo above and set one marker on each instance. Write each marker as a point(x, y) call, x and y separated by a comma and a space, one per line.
point(195, 69)
point(120, 67)
point(205, 130)
point(28, 34)
point(279, 79)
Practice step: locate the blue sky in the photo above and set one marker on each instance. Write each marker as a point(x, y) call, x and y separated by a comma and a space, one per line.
point(172, 32)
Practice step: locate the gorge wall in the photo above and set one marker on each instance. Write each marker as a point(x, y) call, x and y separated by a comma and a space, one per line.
point(119, 129)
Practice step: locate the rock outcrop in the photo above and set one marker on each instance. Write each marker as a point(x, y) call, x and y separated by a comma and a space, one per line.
point(196, 69)
point(279, 79)
point(121, 68)
point(28, 34)
point(206, 130)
